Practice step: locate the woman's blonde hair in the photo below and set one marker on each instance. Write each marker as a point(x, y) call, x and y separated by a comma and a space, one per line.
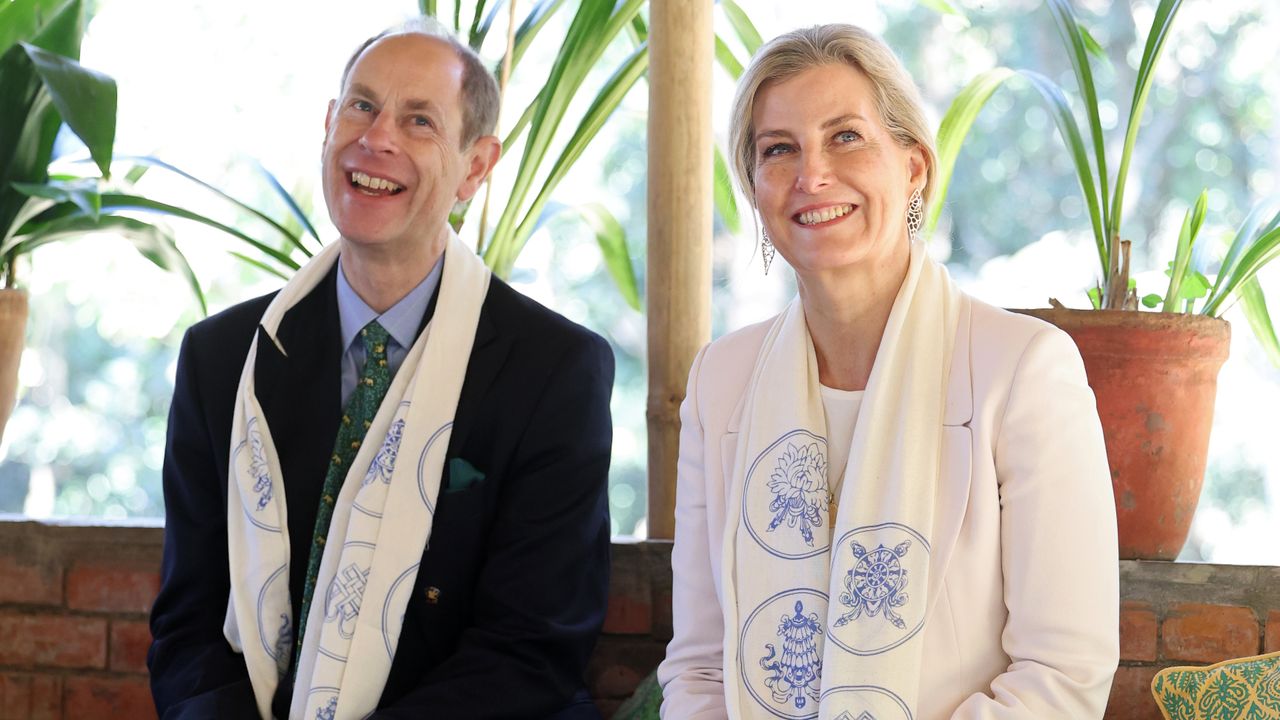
point(896, 96)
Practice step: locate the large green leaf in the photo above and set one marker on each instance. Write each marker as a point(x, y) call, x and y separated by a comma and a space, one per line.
point(592, 29)
point(1161, 24)
point(293, 239)
point(1182, 255)
point(81, 192)
point(727, 60)
point(20, 19)
point(722, 189)
point(964, 110)
point(113, 202)
point(1262, 251)
point(86, 100)
point(291, 203)
point(742, 26)
point(1254, 305)
point(152, 241)
point(612, 240)
point(1252, 226)
point(955, 127)
point(1074, 38)
point(605, 102)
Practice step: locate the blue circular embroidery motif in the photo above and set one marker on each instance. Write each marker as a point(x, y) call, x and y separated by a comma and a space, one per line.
point(793, 471)
point(780, 653)
point(874, 566)
point(865, 702)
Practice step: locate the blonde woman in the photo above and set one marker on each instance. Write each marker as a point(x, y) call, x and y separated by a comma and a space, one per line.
point(893, 499)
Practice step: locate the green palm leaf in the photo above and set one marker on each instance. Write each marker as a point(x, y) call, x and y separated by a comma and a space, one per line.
point(742, 26)
point(1254, 306)
point(612, 240)
point(606, 101)
point(1159, 33)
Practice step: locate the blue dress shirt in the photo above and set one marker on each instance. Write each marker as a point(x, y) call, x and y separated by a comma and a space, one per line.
point(400, 320)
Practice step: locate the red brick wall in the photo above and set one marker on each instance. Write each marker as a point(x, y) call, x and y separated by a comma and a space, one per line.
point(74, 599)
point(73, 620)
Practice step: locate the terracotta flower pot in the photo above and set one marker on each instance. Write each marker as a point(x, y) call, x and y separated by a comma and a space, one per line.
point(13, 327)
point(1155, 376)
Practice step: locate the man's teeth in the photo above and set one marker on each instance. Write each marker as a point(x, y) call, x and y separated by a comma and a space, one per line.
point(373, 183)
point(813, 217)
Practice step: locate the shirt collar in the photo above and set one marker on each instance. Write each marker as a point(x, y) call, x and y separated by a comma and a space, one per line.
point(401, 320)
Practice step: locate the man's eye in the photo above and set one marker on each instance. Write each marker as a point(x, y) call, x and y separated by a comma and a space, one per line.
point(422, 121)
point(363, 105)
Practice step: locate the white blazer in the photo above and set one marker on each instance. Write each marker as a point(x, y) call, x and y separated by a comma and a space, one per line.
point(1026, 623)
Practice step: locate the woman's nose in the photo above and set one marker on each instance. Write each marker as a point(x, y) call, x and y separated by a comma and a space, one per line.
point(815, 172)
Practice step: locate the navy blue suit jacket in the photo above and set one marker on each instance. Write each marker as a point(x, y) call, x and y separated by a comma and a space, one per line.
point(510, 594)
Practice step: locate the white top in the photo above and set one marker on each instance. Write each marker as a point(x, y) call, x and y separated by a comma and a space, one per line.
point(842, 408)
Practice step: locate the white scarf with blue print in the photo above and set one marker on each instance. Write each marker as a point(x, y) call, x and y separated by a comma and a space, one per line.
point(822, 624)
point(363, 585)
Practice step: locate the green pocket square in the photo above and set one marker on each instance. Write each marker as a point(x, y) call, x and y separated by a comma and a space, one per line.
point(462, 475)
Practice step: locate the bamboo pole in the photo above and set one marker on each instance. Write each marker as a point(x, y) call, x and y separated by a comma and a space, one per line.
point(679, 250)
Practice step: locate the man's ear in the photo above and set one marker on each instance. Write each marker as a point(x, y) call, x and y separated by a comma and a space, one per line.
point(328, 116)
point(480, 157)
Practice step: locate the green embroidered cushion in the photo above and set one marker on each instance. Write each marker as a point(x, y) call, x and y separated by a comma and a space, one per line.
point(1240, 689)
point(644, 703)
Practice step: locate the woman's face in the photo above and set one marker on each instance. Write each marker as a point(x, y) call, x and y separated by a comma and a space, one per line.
point(832, 185)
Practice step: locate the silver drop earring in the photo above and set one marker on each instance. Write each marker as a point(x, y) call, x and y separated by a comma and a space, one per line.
point(766, 250)
point(915, 215)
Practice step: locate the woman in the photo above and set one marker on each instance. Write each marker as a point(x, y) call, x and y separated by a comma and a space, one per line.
point(893, 500)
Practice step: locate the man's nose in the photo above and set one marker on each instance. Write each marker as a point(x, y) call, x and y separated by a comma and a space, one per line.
point(815, 172)
point(380, 135)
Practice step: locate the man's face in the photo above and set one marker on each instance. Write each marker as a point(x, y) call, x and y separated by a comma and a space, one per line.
point(393, 165)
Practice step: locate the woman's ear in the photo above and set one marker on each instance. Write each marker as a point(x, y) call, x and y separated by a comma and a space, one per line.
point(917, 166)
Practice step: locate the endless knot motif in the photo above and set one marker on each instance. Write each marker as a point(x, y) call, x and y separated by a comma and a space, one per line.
point(345, 594)
point(385, 461)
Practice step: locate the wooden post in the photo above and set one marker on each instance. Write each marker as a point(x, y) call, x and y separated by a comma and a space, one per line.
point(679, 250)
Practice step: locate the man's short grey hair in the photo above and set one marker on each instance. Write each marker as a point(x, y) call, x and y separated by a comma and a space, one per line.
point(896, 96)
point(480, 97)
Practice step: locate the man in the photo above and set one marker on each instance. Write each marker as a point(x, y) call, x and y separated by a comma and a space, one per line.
point(460, 570)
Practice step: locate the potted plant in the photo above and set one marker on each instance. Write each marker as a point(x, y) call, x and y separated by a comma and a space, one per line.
point(1154, 373)
point(41, 86)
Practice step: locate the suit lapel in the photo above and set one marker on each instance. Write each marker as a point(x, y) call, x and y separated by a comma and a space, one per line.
point(488, 355)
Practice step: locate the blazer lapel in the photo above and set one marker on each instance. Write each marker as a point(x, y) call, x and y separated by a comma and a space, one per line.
point(956, 462)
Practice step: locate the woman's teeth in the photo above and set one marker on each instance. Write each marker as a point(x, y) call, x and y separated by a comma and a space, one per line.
point(812, 217)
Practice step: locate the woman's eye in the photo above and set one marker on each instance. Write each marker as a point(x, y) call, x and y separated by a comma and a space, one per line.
point(776, 149)
point(847, 136)
point(422, 121)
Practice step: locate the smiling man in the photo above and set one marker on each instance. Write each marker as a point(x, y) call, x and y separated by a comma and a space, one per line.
point(385, 485)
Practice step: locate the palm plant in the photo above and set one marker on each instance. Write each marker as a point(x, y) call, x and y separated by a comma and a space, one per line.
point(595, 25)
point(1251, 249)
point(44, 86)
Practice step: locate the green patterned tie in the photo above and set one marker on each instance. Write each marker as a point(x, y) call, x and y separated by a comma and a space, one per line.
point(356, 418)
